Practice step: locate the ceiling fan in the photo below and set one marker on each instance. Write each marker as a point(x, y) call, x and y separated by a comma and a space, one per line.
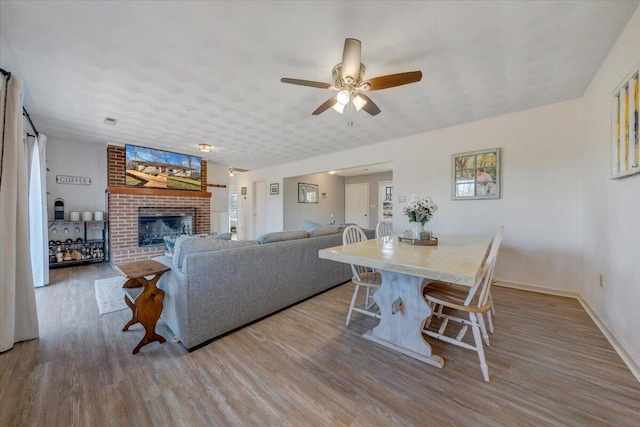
point(350, 83)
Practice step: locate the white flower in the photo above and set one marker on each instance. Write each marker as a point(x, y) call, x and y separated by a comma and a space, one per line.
point(420, 210)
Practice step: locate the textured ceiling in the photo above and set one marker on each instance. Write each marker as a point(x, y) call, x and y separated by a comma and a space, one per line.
point(176, 74)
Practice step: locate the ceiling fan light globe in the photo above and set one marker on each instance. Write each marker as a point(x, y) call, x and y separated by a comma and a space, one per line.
point(338, 107)
point(343, 97)
point(359, 102)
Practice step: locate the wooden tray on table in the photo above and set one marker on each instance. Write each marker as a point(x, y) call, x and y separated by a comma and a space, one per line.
point(419, 242)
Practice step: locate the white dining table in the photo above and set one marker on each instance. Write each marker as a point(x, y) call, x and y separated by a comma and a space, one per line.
point(404, 268)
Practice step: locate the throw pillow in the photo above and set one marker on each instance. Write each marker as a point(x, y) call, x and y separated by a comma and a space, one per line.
point(170, 241)
point(308, 225)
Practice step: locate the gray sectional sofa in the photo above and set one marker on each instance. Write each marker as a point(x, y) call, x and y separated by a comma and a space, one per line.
point(215, 287)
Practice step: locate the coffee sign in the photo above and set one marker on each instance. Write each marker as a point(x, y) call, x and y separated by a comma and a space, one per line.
point(75, 180)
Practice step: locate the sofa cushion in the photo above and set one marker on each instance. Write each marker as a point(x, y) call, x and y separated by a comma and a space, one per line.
point(186, 245)
point(325, 231)
point(224, 236)
point(170, 241)
point(280, 236)
point(308, 225)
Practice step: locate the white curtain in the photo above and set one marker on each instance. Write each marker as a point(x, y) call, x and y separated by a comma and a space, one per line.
point(18, 316)
point(37, 161)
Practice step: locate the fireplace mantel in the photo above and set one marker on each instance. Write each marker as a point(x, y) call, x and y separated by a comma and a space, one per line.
point(157, 192)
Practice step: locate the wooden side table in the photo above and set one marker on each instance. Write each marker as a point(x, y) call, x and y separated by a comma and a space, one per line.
point(143, 297)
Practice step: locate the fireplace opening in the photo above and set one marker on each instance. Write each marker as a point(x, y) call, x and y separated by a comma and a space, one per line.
point(152, 227)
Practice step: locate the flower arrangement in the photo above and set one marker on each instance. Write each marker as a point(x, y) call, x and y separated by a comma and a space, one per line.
point(420, 210)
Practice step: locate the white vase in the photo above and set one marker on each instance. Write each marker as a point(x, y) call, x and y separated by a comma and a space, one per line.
point(416, 230)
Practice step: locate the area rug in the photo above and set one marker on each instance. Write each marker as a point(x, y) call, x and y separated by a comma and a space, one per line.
point(109, 294)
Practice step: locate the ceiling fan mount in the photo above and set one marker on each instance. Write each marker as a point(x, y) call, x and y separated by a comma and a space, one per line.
point(349, 81)
point(341, 81)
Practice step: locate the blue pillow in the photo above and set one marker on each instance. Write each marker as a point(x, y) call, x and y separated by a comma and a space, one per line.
point(170, 241)
point(308, 225)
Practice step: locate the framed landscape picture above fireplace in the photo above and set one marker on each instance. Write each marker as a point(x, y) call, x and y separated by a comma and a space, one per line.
point(152, 168)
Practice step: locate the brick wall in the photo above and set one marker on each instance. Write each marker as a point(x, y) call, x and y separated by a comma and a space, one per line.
point(123, 212)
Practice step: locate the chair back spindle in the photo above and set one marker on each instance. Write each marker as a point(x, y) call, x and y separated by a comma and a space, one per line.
point(383, 229)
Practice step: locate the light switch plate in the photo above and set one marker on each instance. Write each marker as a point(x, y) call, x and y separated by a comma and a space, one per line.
point(402, 199)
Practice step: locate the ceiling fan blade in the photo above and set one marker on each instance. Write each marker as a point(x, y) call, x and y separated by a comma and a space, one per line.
point(393, 80)
point(325, 106)
point(351, 56)
point(309, 83)
point(370, 107)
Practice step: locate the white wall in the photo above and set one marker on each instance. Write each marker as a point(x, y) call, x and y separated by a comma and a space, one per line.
point(611, 208)
point(541, 189)
point(69, 158)
point(218, 174)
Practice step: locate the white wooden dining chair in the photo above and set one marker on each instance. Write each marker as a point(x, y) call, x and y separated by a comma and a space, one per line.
point(473, 302)
point(384, 228)
point(492, 313)
point(362, 276)
point(437, 309)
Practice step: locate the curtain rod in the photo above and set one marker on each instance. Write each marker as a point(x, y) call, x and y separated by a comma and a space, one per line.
point(24, 111)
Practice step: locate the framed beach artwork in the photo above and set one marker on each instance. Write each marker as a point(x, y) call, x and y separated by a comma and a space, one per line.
point(307, 193)
point(476, 175)
point(274, 188)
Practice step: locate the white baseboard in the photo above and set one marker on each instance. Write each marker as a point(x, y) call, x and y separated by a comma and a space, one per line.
point(536, 288)
point(617, 345)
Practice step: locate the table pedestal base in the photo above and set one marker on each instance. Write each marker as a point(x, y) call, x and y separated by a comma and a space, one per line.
point(403, 314)
point(433, 360)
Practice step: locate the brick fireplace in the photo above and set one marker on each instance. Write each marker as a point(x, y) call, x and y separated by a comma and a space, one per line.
point(125, 203)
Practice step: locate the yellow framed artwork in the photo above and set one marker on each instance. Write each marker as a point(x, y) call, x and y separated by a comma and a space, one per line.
point(625, 144)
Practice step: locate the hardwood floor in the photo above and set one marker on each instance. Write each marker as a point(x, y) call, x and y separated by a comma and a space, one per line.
point(548, 362)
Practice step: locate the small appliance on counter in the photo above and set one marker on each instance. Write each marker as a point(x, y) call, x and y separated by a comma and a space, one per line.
point(58, 209)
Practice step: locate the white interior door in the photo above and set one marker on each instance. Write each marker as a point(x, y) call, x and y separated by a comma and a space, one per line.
point(259, 208)
point(356, 204)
